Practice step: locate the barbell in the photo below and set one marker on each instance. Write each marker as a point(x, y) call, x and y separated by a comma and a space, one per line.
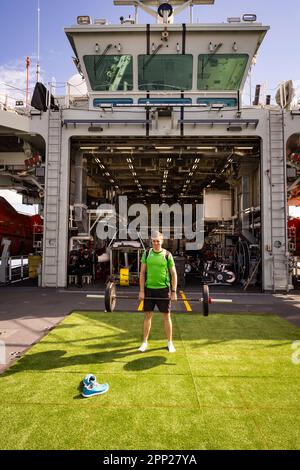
point(110, 298)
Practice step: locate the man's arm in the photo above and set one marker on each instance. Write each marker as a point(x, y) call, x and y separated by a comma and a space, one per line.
point(173, 273)
point(142, 281)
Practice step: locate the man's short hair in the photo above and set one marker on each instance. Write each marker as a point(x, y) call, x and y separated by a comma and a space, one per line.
point(157, 236)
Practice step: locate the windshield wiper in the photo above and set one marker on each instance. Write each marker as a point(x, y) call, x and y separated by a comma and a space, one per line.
point(204, 64)
point(152, 55)
point(98, 62)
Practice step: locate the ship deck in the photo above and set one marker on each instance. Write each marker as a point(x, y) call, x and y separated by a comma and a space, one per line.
point(28, 313)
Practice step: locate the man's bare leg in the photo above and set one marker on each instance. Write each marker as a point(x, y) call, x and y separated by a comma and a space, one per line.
point(147, 329)
point(169, 331)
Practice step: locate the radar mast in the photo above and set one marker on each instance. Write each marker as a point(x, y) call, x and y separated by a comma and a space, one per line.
point(165, 11)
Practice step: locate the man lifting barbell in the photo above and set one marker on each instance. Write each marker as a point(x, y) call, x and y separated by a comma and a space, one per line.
point(158, 274)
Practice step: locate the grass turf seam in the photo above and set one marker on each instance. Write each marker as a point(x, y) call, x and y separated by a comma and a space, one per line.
point(188, 362)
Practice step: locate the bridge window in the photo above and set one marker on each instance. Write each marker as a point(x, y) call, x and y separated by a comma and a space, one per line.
point(221, 71)
point(165, 72)
point(110, 72)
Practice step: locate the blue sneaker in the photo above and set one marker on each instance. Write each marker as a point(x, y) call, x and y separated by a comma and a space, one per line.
point(89, 379)
point(91, 387)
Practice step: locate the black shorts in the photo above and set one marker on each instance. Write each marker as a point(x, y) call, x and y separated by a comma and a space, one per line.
point(163, 305)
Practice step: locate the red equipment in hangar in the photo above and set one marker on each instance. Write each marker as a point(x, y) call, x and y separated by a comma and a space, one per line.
point(294, 235)
point(18, 228)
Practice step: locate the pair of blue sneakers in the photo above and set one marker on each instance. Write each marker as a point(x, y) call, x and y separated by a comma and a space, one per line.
point(92, 388)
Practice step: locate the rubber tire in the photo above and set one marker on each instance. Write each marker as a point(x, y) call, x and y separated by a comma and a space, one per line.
point(205, 300)
point(110, 296)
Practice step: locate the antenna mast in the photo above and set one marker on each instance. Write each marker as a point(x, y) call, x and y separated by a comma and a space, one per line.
point(27, 80)
point(38, 73)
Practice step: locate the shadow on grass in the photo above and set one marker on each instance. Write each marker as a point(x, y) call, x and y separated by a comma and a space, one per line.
point(145, 363)
point(203, 332)
point(57, 359)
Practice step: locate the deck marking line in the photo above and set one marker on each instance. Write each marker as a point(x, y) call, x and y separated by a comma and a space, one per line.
point(187, 305)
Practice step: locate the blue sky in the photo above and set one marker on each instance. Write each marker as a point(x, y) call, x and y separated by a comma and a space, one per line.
point(278, 59)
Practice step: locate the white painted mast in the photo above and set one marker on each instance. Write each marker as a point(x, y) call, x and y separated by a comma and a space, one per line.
point(38, 70)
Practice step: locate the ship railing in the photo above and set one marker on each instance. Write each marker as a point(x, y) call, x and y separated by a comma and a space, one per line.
point(15, 99)
point(18, 269)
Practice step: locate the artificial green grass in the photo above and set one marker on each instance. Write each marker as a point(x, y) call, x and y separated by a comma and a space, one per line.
point(230, 385)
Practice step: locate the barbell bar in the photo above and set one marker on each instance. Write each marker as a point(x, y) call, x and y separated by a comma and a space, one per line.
point(110, 298)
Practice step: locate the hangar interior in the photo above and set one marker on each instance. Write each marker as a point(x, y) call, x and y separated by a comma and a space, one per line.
point(223, 174)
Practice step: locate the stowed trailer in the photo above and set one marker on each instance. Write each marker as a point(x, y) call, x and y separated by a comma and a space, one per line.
point(164, 122)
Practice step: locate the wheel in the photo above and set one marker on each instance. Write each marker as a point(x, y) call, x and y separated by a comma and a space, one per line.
point(110, 297)
point(205, 300)
point(242, 260)
point(229, 277)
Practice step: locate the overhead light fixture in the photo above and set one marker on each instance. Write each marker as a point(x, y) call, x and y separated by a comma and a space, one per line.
point(234, 19)
point(84, 20)
point(164, 148)
point(243, 148)
point(249, 17)
point(239, 153)
point(89, 148)
point(100, 21)
point(206, 148)
point(124, 148)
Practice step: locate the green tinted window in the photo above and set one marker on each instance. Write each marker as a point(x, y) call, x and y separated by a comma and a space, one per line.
point(221, 71)
point(165, 72)
point(110, 72)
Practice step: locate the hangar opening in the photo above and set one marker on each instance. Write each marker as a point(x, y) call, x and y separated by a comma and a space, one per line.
point(222, 174)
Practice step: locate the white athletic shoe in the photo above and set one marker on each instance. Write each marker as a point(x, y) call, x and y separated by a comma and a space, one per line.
point(171, 347)
point(143, 347)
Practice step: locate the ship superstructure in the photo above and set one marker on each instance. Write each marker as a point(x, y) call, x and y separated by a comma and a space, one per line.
point(162, 122)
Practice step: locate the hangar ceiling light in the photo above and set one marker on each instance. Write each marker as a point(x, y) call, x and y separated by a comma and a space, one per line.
point(89, 148)
point(164, 148)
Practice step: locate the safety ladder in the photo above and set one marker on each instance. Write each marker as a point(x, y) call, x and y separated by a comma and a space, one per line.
point(52, 200)
point(278, 182)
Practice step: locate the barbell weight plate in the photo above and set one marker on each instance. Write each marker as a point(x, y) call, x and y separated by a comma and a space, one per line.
point(110, 296)
point(205, 300)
